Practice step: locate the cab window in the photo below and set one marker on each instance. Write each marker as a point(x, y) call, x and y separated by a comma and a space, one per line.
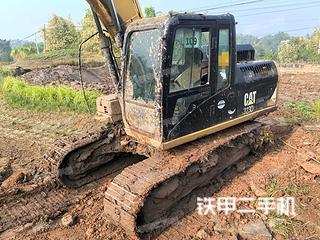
point(224, 67)
point(143, 65)
point(190, 59)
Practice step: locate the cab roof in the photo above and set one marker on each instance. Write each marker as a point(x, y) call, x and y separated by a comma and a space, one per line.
point(163, 21)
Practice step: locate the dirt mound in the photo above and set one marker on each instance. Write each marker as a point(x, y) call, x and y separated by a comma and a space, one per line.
point(93, 78)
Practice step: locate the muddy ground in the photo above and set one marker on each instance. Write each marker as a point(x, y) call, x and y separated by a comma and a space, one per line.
point(33, 206)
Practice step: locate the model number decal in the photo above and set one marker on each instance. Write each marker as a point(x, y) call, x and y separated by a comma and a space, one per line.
point(250, 98)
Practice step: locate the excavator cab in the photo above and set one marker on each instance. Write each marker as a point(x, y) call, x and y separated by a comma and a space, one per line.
point(179, 78)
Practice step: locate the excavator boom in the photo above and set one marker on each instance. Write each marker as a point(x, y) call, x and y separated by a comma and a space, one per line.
point(116, 15)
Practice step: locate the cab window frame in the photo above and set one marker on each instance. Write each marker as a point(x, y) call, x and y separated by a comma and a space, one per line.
point(209, 29)
point(223, 26)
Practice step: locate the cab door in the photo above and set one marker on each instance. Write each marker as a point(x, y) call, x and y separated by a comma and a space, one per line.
point(225, 92)
point(200, 90)
point(189, 83)
point(141, 91)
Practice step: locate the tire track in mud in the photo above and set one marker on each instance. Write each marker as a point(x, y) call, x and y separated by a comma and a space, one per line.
point(33, 208)
point(28, 128)
point(42, 203)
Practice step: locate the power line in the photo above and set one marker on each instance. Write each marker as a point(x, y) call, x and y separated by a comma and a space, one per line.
point(294, 30)
point(276, 6)
point(208, 6)
point(276, 11)
point(42, 30)
point(204, 8)
point(231, 5)
point(291, 21)
point(33, 34)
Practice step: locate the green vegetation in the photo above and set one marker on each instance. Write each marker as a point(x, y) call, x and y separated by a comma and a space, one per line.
point(18, 93)
point(23, 52)
point(273, 187)
point(300, 49)
point(280, 225)
point(5, 51)
point(266, 47)
point(284, 48)
point(149, 12)
point(61, 34)
point(65, 57)
point(89, 28)
point(306, 110)
point(66, 53)
point(290, 189)
point(4, 72)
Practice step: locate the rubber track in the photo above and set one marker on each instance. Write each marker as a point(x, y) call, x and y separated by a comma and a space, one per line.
point(128, 191)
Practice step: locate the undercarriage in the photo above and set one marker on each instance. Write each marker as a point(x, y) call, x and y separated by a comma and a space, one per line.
point(152, 188)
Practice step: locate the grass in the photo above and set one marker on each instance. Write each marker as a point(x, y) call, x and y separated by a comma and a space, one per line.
point(65, 57)
point(73, 53)
point(18, 93)
point(4, 72)
point(280, 225)
point(306, 110)
point(289, 189)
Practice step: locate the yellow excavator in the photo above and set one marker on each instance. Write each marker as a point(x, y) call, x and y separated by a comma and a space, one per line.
point(186, 96)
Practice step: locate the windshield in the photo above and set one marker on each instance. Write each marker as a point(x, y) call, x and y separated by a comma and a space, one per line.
point(143, 65)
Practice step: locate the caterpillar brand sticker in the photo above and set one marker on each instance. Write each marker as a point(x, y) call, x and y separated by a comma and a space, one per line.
point(221, 104)
point(250, 98)
point(230, 112)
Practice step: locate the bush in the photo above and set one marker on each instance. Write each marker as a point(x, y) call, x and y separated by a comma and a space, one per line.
point(46, 98)
point(5, 72)
point(23, 52)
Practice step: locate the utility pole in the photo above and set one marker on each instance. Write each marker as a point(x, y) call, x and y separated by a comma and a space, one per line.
point(44, 38)
point(35, 38)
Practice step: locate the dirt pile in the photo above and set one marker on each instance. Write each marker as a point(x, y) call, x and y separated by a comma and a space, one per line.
point(93, 78)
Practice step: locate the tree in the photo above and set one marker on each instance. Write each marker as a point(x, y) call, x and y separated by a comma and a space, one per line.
point(313, 47)
point(267, 45)
point(247, 39)
point(5, 51)
point(269, 55)
point(172, 12)
point(88, 29)
point(293, 50)
point(149, 12)
point(61, 34)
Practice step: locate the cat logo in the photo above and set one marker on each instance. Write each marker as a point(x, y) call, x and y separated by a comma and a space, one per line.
point(250, 98)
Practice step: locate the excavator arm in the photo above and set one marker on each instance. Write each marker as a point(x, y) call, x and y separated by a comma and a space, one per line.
point(116, 15)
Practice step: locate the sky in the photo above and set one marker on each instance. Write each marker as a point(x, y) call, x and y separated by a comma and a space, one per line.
point(19, 19)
